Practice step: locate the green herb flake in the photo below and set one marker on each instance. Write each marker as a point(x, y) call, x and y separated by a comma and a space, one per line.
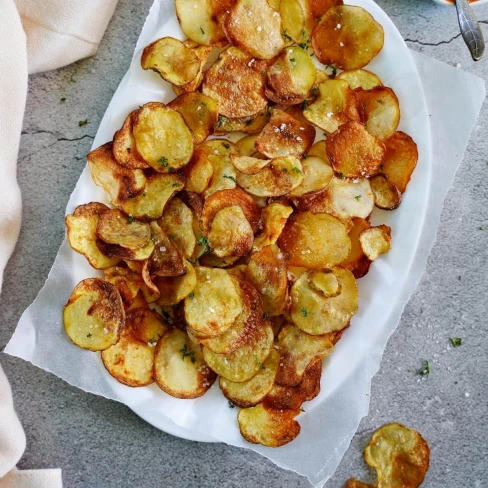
point(301, 410)
point(296, 170)
point(358, 197)
point(130, 219)
point(315, 91)
point(381, 102)
point(481, 227)
point(172, 236)
point(265, 316)
point(456, 341)
point(167, 318)
point(227, 146)
point(89, 335)
point(304, 311)
point(341, 176)
point(230, 178)
point(191, 295)
point(305, 155)
point(284, 170)
point(221, 121)
point(81, 123)
point(174, 185)
point(202, 31)
point(319, 20)
point(425, 370)
point(231, 405)
point(185, 353)
point(287, 256)
point(63, 100)
point(163, 161)
point(292, 60)
point(287, 36)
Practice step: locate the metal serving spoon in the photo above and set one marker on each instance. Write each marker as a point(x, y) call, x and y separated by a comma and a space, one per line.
point(470, 29)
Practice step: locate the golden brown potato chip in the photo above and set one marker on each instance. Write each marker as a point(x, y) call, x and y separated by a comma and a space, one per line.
point(317, 174)
point(236, 87)
point(267, 426)
point(145, 325)
point(138, 302)
point(199, 112)
point(162, 137)
point(255, 27)
point(124, 146)
point(251, 392)
point(81, 229)
point(216, 302)
point(380, 111)
point(400, 456)
point(314, 241)
point(292, 19)
point(335, 105)
point(273, 219)
point(198, 172)
point(347, 37)
point(247, 164)
point(224, 174)
point(179, 367)
point(202, 52)
point(326, 282)
point(354, 152)
point(360, 78)
point(278, 178)
point(247, 145)
point(375, 241)
point(117, 251)
point(213, 261)
point(116, 227)
point(120, 183)
point(250, 125)
point(94, 315)
point(313, 312)
point(317, 8)
point(266, 270)
point(159, 190)
point(285, 136)
point(174, 289)
point(354, 483)
point(319, 150)
point(357, 262)
point(174, 62)
point(386, 194)
point(243, 363)
point(400, 159)
point(126, 281)
point(298, 350)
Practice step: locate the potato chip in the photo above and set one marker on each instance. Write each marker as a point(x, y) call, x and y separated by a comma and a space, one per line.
point(314, 241)
point(347, 37)
point(400, 159)
point(199, 112)
point(319, 150)
point(127, 282)
point(198, 172)
point(216, 302)
point(120, 183)
point(273, 218)
point(399, 455)
point(354, 483)
point(243, 363)
point(179, 367)
point(234, 85)
point(335, 105)
point(353, 152)
point(357, 262)
point(326, 282)
point(360, 78)
point(193, 201)
point(380, 111)
point(375, 241)
point(213, 261)
point(317, 174)
point(162, 137)
point(146, 325)
point(285, 136)
point(247, 164)
point(94, 315)
point(117, 251)
point(251, 392)
point(138, 302)
point(266, 270)
point(267, 426)
point(298, 350)
point(174, 289)
point(116, 227)
point(81, 229)
point(317, 8)
point(124, 146)
point(386, 194)
point(224, 174)
point(292, 19)
point(174, 62)
point(255, 27)
point(278, 178)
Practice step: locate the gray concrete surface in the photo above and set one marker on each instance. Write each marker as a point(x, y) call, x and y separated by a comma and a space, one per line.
point(99, 443)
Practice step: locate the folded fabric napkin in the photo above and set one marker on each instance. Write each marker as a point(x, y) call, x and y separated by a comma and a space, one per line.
point(35, 35)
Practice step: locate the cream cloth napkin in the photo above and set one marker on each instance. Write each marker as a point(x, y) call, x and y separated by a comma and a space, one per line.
point(35, 35)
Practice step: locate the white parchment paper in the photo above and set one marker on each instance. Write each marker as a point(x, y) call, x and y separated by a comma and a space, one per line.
point(453, 100)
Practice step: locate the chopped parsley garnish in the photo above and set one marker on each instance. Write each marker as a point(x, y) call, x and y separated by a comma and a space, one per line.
point(202, 31)
point(284, 170)
point(185, 353)
point(456, 341)
point(315, 91)
point(167, 318)
point(265, 316)
point(130, 219)
point(203, 241)
point(89, 335)
point(301, 410)
point(81, 123)
point(163, 161)
point(333, 68)
point(221, 121)
point(305, 155)
point(287, 256)
point(231, 405)
point(174, 185)
point(304, 104)
point(190, 261)
point(292, 60)
point(230, 178)
point(481, 227)
point(381, 102)
point(319, 20)
point(287, 36)
point(304, 311)
point(191, 295)
point(325, 134)
point(296, 170)
point(341, 176)
point(358, 197)
point(425, 370)
point(171, 236)
point(227, 146)
point(153, 340)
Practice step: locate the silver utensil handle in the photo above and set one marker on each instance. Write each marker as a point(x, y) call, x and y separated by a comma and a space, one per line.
point(470, 29)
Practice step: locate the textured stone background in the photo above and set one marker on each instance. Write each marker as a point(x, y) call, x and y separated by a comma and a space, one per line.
point(99, 443)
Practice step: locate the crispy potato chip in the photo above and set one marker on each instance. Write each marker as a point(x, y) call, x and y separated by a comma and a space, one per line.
point(326, 282)
point(162, 137)
point(116, 227)
point(120, 183)
point(247, 164)
point(266, 270)
point(243, 363)
point(174, 62)
point(255, 27)
point(375, 241)
point(174, 289)
point(216, 302)
point(124, 146)
point(313, 312)
point(159, 190)
point(360, 78)
point(224, 174)
point(193, 201)
point(273, 218)
point(317, 174)
point(145, 325)
point(319, 150)
point(357, 262)
point(234, 85)
point(292, 19)
point(213, 261)
point(347, 37)
point(126, 281)
point(218, 147)
point(251, 392)
point(354, 483)
point(386, 194)
point(267, 426)
point(199, 112)
point(94, 315)
point(399, 455)
point(250, 125)
point(353, 152)
point(81, 229)
point(380, 111)
point(278, 178)
point(179, 367)
point(400, 159)
point(298, 350)
point(314, 241)
point(177, 223)
point(335, 105)
point(317, 8)
point(198, 172)
point(247, 145)
point(138, 302)
point(117, 251)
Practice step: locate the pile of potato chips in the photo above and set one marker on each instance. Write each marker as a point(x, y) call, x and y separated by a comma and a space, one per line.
point(240, 259)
